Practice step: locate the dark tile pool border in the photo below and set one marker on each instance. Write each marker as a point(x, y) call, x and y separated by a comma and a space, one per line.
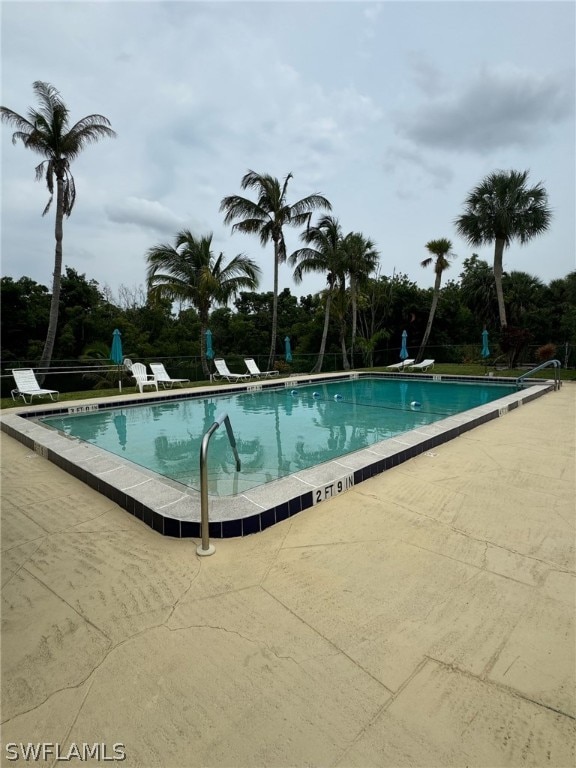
point(173, 510)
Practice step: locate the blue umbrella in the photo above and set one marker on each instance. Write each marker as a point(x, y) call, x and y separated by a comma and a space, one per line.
point(403, 350)
point(485, 350)
point(288, 351)
point(116, 353)
point(209, 350)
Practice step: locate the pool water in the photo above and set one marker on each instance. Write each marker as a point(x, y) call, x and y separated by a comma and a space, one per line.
point(278, 431)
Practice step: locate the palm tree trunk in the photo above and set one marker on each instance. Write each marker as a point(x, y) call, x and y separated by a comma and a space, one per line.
point(498, 255)
point(354, 317)
point(433, 306)
point(345, 361)
point(318, 365)
point(46, 358)
point(204, 361)
point(274, 309)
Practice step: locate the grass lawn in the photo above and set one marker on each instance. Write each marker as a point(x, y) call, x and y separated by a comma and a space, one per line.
point(440, 368)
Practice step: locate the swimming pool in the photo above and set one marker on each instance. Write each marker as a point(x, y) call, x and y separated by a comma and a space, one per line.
point(278, 431)
point(173, 508)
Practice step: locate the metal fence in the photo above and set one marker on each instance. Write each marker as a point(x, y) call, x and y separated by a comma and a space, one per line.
point(79, 376)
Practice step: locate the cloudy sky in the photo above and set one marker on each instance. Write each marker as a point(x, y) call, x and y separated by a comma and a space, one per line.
point(392, 110)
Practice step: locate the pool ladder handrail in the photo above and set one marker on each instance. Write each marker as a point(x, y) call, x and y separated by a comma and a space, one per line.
point(205, 548)
point(557, 380)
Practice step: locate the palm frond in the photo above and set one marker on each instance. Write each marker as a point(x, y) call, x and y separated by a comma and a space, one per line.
point(502, 207)
point(309, 204)
point(23, 125)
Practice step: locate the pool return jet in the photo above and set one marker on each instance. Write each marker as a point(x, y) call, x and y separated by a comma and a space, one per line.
point(205, 548)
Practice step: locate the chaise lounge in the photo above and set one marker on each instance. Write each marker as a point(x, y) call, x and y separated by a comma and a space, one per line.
point(161, 376)
point(423, 366)
point(400, 366)
point(26, 384)
point(224, 373)
point(254, 371)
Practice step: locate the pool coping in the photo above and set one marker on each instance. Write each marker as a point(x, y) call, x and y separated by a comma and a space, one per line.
point(174, 510)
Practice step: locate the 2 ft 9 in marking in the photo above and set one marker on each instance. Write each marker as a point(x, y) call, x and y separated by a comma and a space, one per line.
point(333, 489)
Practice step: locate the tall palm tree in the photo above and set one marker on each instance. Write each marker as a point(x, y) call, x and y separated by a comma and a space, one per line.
point(361, 259)
point(46, 131)
point(267, 218)
point(190, 272)
point(441, 249)
point(502, 208)
point(323, 254)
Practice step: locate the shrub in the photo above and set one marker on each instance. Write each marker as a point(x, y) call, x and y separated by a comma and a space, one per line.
point(282, 366)
point(546, 352)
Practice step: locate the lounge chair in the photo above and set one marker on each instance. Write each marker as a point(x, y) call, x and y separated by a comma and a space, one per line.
point(401, 366)
point(162, 377)
point(423, 366)
point(224, 373)
point(254, 371)
point(26, 384)
point(143, 379)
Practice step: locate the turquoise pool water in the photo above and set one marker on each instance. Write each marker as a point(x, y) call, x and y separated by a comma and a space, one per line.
point(278, 431)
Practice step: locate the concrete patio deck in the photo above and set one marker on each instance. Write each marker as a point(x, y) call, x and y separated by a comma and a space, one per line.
point(423, 618)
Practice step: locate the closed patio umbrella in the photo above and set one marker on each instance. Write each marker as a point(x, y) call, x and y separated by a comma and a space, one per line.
point(287, 350)
point(403, 348)
point(209, 349)
point(485, 349)
point(116, 354)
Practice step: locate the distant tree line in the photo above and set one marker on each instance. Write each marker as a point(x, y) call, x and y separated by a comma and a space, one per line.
point(153, 325)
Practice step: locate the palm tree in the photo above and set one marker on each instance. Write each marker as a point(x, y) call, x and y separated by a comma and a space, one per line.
point(46, 131)
point(325, 257)
point(502, 209)
point(479, 291)
point(267, 217)
point(190, 272)
point(524, 293)
point(361, 259)
point(441, 249)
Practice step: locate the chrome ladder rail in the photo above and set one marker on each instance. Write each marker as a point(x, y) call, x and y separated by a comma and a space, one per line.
point(557, 380)
point(205, 548)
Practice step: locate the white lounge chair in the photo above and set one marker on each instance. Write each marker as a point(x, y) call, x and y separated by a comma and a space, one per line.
point(423, 366)
point(254, 371)
point(224, 373)
point(402, 365)
point(162, 377)
point(143, 379)
point(26, 384)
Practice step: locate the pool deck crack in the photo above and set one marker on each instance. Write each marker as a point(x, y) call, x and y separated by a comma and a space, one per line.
point(483, 678)
point(394, 695)
point(327, 640)
point(477, 539)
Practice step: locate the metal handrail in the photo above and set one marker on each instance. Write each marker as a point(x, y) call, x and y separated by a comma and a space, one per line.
point(557, 380)
point(205, 548)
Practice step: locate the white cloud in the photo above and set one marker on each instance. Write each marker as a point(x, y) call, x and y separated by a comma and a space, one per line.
point(149, 214)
